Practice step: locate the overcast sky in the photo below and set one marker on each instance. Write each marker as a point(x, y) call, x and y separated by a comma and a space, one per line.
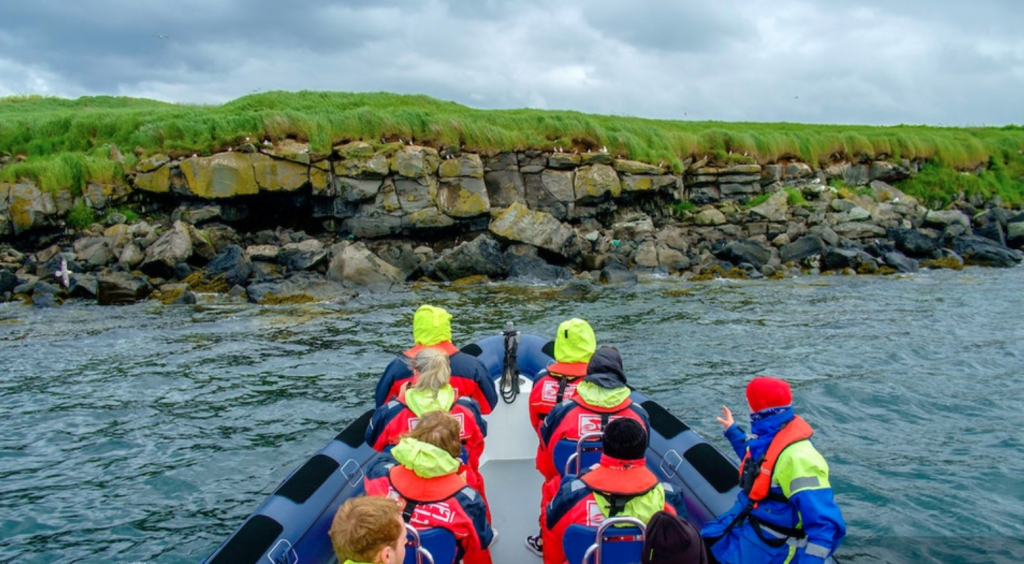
point(938, 62)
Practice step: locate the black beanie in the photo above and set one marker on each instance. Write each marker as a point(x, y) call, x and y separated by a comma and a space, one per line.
point(625, 439)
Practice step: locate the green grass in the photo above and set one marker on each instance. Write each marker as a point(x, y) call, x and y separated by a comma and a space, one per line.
point(67, 143)
point(80, 215)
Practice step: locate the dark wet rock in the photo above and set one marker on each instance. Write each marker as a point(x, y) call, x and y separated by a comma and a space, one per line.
point(994, 231)
point(533, 269)
point(879, 248)
point(233, 263)
point(750, 252)
point(616, 275)
point(298, 286)
point(914, 243)
point(803, 248)
point(482, 255)
point(83, 286)
point(122, 288)
point(985, 252)
point(901, 263)
point(8, 281)
point(305, 255)
point(836, 258)
point(46, 300)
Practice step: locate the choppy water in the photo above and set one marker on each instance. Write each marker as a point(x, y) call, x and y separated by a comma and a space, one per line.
point(148, 433)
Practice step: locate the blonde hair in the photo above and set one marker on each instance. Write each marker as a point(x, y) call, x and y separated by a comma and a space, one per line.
point(439, 429)
point(363, 526)
point(432, 370)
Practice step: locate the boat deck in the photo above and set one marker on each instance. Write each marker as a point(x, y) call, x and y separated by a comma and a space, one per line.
point(513, 483)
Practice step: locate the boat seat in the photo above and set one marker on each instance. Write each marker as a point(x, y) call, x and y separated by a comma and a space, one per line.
point(611, 543)
point(570, 456)
point(431, 546)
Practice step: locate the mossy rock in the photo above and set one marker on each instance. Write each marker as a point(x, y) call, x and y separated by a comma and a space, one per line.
point(198, 282)
point(287, 299)
point(717, 272)
point(947, 262)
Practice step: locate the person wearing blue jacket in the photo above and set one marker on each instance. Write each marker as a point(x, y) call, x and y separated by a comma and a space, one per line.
point(785, 511)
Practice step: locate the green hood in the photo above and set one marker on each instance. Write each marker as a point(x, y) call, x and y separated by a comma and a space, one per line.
point(575, 341)
point(422, 401)
point(425, 459)
point(431, 325)
point(601, 397)
point(642, 507)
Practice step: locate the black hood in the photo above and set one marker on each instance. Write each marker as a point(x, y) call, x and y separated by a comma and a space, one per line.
point(605, 369)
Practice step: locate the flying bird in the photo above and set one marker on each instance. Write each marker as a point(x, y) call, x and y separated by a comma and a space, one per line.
point(162, 36)
point(63, 272)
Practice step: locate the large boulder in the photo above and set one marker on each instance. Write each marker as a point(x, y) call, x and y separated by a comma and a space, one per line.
point(355, 266)
point(984, 252)
point(519, 223)
point(304, 255)
point(530, 268)
point(233, 263)
point(750, 252)
point(121, 288)
point(296, 287)
point(173, 247)
point(775, 208)
point(803, 248)
point(1015, 232)
point(480, 256)
point(914, 243)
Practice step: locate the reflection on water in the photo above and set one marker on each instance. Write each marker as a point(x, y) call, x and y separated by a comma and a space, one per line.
point(148, 433)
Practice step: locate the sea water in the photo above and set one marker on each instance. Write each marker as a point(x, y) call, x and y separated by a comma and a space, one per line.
point(148, 433)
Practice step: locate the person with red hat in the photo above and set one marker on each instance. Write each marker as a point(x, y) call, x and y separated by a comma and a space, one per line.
point(785, 510)
point(620, 485)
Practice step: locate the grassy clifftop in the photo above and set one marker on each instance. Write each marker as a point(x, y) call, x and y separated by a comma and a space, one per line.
point(67, 142)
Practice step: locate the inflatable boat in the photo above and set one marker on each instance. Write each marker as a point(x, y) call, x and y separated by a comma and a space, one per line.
point(291, 526)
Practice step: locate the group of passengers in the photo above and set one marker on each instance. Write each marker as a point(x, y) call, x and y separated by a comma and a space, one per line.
point(429, 420)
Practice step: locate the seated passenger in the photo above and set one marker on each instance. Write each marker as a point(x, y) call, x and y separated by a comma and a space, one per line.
point(601, 397)
point(429, 488)
point(431, 328)
point(619, 486)
point(368, 529)
point(574, 344)
point(431, 392)
point(785, 509)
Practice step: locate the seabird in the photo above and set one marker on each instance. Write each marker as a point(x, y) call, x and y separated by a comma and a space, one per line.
point(63, 272)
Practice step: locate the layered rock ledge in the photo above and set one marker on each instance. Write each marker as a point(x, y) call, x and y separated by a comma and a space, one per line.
point(275, 222)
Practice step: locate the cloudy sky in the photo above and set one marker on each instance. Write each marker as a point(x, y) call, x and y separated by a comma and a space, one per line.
point(938, 62)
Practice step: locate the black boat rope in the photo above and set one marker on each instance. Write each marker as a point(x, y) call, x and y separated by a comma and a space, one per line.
point(510, 366)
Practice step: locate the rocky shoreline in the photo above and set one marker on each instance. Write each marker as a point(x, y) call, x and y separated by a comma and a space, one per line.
point(274, 223)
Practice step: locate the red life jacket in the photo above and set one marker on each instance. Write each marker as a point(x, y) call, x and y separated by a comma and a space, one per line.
point(550, 389)
point(795, 431)
point(620, 481)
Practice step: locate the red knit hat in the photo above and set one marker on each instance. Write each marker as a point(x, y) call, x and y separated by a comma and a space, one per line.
point(764, 392)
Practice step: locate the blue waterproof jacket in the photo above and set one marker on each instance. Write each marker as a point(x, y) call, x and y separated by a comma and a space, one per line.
point(800, 499)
